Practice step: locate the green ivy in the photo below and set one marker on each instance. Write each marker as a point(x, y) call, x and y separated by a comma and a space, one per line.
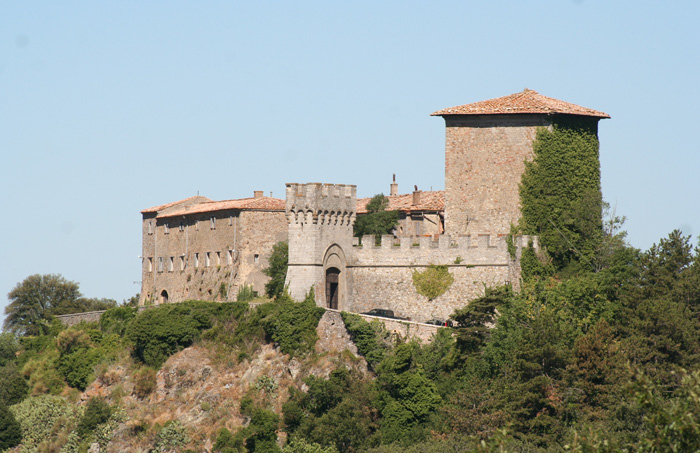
point(433, 282)
point(560, 191)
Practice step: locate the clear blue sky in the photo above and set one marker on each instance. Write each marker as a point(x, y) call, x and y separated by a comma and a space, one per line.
point(110, 107)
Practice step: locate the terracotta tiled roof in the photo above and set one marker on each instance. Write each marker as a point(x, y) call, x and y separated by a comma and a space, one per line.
point(429, 201)
point(527, 101)
point(244, 204)
point(174, 203)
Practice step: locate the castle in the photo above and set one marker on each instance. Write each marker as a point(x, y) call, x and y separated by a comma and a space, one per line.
point(202, 249)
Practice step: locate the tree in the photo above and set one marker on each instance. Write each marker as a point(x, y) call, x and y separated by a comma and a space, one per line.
point(277, 271)
point(35, 300)
point(378, 220)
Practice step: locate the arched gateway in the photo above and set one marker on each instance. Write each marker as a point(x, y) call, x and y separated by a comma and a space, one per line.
point(334, 273)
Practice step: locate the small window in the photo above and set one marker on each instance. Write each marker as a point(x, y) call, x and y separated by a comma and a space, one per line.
point(196, 225)
point(150, 227)
point(218, 258)
point(196, 260)
point(207, 259)
point(166, 227)
point(171, 264)
point(182, 263)
point(150, 264)
point(160, 264)
point(256, 258)
point(417, 228)
point(213, 222)
point(230, 220)
point(182, 226)
point(229, 257)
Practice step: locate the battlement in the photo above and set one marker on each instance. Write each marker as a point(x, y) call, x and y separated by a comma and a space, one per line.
point(321, 204)
point(478, 249)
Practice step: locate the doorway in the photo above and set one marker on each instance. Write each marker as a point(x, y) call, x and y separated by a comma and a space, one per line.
point(163, 297)
point(332, 279)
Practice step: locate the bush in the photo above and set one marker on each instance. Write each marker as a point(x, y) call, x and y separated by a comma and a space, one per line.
point(144, 382)
point(433, 282)
point(245, 294)
point(10, 429)
point(115, 320)
point(292, 325)
point(96, 413)
point(368, 337)
point(162, 331)
point(277, 270)
point(171, 436)
point(14, 387)
point(38, 416)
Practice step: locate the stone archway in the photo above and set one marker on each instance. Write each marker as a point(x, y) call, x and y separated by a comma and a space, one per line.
point(332, 280)
point(335, 278)
point(163, 299)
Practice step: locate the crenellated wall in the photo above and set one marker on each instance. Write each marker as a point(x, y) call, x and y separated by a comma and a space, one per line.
point(382, 276)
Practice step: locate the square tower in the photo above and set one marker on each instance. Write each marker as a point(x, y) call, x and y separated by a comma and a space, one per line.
point(486, 146)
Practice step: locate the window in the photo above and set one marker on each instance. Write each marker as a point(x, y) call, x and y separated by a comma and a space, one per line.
point(171, 264)
point(166, 227)
point(230, 220)
point(207, 260)
point(160, 264)
point(182, 263)
point(417, 227)
point(196, 260)
point(213, 222)
point(182, 226)
point(150, 227)
point(229, 257)
point(218, 258)
point(150, 264)
point(256, 258)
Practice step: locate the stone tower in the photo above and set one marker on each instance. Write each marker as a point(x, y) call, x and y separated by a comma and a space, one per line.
point(486, 146)
point(320, 219)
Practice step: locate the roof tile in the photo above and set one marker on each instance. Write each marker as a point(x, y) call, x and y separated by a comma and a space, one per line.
point(429, 201)
point(527, 101)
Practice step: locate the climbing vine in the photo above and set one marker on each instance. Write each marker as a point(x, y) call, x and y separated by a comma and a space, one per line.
point(560, 191)
point(433, 282)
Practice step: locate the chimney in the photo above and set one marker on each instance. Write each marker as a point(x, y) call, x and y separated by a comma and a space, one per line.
point(416, 196)
point(257, 194)
point(394, 187)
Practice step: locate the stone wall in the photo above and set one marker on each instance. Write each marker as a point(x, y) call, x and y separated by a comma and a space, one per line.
point(76, 318)
point(382, 276)
point(191, 257)
point(485, 158)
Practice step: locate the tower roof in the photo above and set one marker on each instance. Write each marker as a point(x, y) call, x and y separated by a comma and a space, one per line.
point(527, 102)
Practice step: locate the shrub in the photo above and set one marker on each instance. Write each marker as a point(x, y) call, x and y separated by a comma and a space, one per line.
point(162, 331)
point(292, 325)
point(115, 320)
point(368, 337)
point(227, 443)
point(38, 415)
point(433, 282)
point(14, 387)
point(144, 382)
point(10, 429)
point(277, 270)
point(245, 294)
point(96, 413)
point(171, 436)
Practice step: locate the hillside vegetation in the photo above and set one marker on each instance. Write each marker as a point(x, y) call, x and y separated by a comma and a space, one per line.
point(598, 361)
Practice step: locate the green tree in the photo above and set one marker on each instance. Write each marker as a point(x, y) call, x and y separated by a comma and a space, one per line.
point(35, 300)
point(378, 220)
point(277, 270)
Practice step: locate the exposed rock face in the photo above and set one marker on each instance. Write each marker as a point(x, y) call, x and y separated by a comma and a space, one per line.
point(202, 388)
